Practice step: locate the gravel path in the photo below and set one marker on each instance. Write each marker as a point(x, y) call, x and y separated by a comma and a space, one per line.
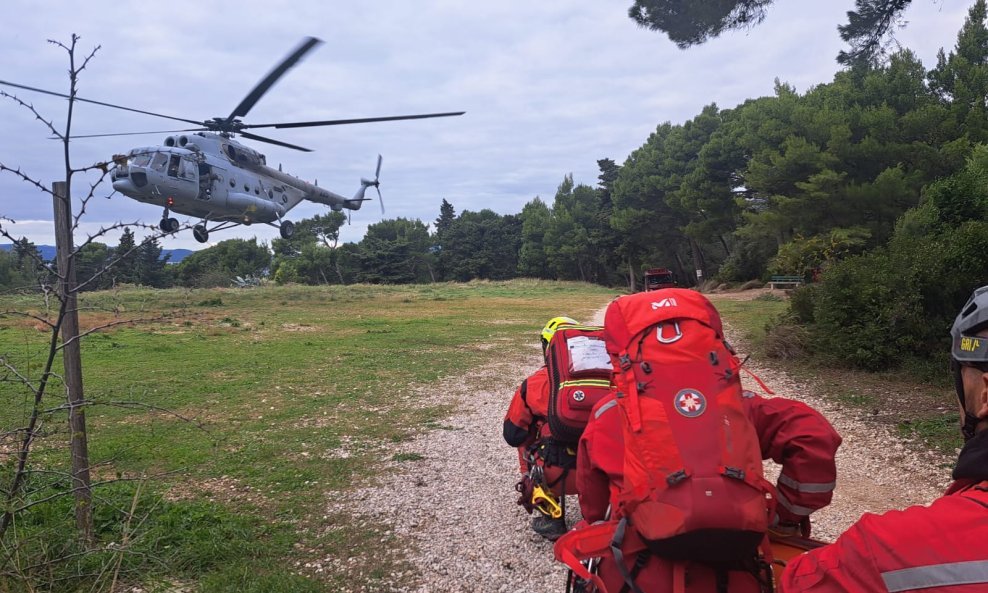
point(477, 539)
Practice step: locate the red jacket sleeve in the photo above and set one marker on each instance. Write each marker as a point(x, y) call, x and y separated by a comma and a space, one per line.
point(804, 443)
point(845, 566)
point(935, 547)
point(599, 460)
point(518, 420)
point(528, 407)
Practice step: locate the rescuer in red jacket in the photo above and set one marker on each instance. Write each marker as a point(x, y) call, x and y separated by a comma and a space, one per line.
point(526, 427)
point(790, 433)
point(939, 548)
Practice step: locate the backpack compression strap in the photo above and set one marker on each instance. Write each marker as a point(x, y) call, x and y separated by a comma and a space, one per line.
point(592, 541)
point(627, 386)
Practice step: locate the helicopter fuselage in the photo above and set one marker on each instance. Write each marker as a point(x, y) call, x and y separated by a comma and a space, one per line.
point(214, 178)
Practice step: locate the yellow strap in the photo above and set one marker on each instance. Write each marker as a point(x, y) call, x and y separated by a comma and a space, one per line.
point(586, 383)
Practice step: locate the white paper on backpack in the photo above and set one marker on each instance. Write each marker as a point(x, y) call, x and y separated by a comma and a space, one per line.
point(587, 354)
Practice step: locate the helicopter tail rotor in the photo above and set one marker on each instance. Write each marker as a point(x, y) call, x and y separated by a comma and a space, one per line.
point(376, 183)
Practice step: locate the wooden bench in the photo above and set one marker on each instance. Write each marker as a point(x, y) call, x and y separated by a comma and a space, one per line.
point(785, 282)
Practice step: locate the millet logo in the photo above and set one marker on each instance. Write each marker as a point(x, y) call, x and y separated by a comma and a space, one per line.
point(664, 303)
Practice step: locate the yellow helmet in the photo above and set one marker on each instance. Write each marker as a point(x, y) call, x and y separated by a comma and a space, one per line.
point(552, 325)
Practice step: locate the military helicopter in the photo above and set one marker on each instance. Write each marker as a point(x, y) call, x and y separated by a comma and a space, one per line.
point(206, 174)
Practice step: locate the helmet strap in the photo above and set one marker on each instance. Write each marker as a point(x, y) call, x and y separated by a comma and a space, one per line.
point(970, 420)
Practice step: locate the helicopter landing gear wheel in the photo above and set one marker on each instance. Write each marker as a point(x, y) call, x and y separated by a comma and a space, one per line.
point(169, 225)
point(200, 233)
point(287, 229)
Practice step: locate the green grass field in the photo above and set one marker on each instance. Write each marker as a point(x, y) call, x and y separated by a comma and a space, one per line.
point(234, 416)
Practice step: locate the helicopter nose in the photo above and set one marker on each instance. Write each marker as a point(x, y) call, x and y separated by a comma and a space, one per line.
point(126, 186)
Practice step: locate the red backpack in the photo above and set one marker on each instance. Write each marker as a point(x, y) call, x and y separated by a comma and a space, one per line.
point(579, 377)
point(693, 487)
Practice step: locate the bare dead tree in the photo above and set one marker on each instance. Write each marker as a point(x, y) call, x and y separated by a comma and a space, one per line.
point(59, 315)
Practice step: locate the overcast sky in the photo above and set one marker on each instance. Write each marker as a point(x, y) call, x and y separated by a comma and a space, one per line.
point(549, 87)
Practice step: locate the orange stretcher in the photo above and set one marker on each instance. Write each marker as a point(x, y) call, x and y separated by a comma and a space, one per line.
point(785, 549)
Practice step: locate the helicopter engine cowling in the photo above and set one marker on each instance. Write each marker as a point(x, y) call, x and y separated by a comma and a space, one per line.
point(254, 208)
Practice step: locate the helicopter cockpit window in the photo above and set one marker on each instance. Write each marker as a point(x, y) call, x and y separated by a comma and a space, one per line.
point(173, 165)
point(141, 160)
point(159, 161)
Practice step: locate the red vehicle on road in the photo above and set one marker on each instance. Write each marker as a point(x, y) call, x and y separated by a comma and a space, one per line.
point(656, 278)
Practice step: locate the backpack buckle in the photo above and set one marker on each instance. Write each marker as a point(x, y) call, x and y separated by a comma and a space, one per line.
point(734, 472)
point(674, 338)
point(676, 477)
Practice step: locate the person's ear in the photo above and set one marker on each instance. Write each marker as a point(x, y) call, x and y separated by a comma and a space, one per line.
point(981, 405)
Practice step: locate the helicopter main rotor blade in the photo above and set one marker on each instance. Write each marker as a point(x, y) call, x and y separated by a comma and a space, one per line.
point(270, 141)
point(262, 87)
point(362, 120)
point(53, 93)
point(137, 133)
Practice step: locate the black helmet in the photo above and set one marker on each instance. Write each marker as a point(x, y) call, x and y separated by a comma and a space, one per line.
point(966, 347)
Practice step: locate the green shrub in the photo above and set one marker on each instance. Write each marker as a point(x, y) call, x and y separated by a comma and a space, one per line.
point(873, 310)
point(801, 303)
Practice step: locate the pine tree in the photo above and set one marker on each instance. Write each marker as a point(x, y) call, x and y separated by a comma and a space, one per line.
point(447, 216)
point(124, 271)
point(149, 266)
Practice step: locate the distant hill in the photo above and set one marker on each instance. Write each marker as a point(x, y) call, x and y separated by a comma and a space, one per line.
point(48, 252)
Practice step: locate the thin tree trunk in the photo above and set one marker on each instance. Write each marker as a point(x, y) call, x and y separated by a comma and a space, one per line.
point(72, 361)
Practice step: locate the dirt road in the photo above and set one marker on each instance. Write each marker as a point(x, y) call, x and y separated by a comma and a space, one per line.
point(470, 536)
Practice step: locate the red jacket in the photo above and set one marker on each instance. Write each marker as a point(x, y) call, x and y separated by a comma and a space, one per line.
point(940, 548)
point(790, 433)
point(526, 422)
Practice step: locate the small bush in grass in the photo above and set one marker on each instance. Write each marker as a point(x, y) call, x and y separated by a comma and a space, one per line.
point(786, 341)
point(768, 296)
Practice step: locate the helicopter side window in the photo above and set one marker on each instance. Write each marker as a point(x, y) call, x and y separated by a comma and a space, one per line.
point(187, 169)
point(233, 182)
point(159, 161)
point(173, 165)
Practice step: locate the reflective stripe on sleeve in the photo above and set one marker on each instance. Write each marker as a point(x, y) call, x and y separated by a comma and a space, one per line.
point(795, 509)
point(604, 408)
point(936, 575)
point(807, 486)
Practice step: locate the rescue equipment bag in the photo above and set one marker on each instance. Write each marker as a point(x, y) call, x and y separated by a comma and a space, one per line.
point(579, 377)
point(693, 483)
point(693, 487)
